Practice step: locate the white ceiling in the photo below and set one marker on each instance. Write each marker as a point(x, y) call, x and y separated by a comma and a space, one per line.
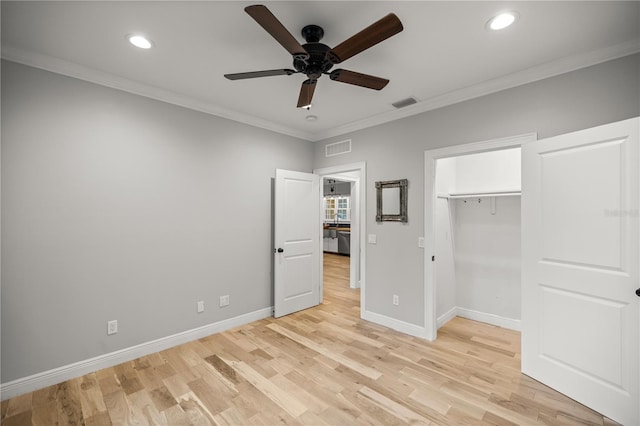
point(444, 55)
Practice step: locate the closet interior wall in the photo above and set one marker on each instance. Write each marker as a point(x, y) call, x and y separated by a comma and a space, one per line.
point(478, 238)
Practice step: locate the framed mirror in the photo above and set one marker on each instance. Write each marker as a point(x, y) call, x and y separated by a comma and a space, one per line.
point(391, 200)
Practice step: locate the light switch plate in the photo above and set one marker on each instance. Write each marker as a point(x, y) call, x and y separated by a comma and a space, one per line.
point(421, 242)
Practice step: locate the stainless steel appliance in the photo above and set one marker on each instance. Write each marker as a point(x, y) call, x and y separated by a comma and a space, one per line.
point(344, 242)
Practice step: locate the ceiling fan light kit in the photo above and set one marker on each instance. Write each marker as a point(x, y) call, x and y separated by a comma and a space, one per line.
point(314, 59)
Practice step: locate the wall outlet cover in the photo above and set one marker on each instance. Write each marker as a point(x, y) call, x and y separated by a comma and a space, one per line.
point(224, 300)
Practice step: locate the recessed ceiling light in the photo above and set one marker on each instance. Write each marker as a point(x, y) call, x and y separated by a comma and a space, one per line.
point(502, 21)
point(311, 117)
point(139, 41)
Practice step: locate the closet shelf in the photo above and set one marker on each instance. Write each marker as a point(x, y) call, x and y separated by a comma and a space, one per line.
point(481, 194)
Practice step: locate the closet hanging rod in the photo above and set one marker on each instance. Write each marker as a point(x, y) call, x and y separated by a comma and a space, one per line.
point(484, 194)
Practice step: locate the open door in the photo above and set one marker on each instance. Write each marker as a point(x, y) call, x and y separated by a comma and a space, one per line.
point(297, 240)
point(580, 270)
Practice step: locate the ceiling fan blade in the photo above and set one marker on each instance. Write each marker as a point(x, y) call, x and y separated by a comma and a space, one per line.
point(358, 79)
point(306, 93)
point(270, 23)
point(375, 33)
point(256, 74)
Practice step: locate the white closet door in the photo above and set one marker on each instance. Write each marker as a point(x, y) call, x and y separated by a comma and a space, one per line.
point(580, 237)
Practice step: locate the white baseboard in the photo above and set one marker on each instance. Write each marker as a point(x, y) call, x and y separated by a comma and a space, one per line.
point(395, 324)
point(511, 324)
point(57, 375)
point(447, 316)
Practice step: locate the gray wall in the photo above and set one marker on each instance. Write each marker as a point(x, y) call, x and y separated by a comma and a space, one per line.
point(115, 206)
point(487, 256)
point(581, 99)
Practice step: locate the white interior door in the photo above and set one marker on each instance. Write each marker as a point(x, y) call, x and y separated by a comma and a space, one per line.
point(580, 233)
point(297, 239)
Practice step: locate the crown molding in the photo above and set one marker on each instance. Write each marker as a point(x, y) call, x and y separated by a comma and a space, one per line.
point(71, 69)
point(530, 75)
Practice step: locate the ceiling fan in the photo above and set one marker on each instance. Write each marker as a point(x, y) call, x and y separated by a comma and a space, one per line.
point(315, 59)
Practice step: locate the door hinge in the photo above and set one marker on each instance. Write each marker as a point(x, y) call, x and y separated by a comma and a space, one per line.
point(433, 258)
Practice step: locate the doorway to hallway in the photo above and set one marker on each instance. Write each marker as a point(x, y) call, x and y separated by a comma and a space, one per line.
point(355, 175)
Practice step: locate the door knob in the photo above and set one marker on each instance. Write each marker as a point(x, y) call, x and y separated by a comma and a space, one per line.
point(638, 292)
point(280, 250)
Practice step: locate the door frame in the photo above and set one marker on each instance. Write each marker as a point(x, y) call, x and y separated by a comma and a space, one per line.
point(358, 243)
point(430, 158)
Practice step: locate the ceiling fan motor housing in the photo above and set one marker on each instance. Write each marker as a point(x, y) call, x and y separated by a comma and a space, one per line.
point(312, 33)
point(317, 63)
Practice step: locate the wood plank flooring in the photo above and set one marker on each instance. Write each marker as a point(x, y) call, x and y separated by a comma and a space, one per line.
point(322, 366)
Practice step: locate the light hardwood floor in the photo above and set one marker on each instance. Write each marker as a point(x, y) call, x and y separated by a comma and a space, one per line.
point(322, 366)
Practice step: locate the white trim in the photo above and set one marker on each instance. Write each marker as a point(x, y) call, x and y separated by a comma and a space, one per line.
point(57, 375)
point(513, 193)
point(540, 72)
point(70, 69)
point(530, 75)
point(482, 146)
point(497, 320)
point(395, 324)
point(430, 157)
point(447, 316)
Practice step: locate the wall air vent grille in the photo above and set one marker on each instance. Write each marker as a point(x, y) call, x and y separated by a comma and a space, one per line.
point(337, 148)
point(405, 102)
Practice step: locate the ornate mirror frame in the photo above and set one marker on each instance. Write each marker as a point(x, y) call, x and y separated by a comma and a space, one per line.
point(385, 216)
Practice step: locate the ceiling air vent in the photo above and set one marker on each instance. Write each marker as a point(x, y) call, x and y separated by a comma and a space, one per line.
point(337, 148)
point(405, 102)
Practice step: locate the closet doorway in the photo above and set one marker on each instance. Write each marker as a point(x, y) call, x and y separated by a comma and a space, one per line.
point(472, 233)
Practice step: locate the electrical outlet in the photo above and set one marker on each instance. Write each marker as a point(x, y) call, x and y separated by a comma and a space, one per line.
point(421, 242)
point(201, 306)
point(112, 327)
point(224, 300)
point(396, 300)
